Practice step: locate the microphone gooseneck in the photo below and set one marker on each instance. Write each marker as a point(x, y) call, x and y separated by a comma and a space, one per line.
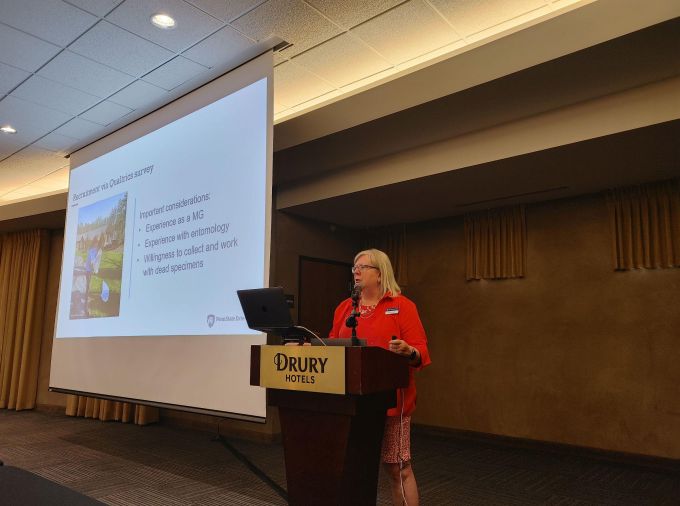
point(353, 319)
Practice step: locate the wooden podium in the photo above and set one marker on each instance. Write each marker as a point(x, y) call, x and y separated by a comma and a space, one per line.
point(331, 441)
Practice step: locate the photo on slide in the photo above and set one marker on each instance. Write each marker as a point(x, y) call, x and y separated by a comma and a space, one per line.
point(98, 264)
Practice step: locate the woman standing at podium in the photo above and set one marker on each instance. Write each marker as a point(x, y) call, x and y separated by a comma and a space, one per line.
point(389, 320)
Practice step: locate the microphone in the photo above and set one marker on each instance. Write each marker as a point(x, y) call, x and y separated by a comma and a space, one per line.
point(356, 291)
point(353, 318)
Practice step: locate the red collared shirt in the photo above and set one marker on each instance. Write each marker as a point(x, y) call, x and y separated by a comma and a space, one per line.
point(393, 316)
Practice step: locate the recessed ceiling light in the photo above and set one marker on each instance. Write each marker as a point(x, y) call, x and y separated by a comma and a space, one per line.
point(163, 21)
point(8, 129)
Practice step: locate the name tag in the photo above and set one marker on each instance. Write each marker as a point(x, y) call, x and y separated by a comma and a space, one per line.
point(392, 310)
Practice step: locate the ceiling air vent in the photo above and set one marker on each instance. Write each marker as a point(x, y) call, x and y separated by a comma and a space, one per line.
point(281, 46)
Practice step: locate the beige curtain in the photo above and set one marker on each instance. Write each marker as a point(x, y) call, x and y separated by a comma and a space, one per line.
point(645, 226)
point(496, 243)
point(105, 410)
point(391, 240)
point(23, 281)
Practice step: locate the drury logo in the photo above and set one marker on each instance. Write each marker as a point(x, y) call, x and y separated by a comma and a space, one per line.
point(308, 365)
point(300, 364)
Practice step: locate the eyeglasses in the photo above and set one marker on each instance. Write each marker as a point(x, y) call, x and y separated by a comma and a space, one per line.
point(363, 267)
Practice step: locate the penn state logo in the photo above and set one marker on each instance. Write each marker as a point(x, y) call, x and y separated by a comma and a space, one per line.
point(211, 320)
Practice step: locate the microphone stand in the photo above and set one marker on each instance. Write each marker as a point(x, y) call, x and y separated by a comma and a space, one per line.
point(353, 319)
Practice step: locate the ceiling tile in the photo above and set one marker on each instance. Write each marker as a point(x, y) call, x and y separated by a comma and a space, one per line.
point(279, 58)
point(96, 7)
point(226, 10)
point(28, 165)
point(407, 31)
point(342, 60)
point(292, 20)
point(192, 23)
point(294, 85)
point(105, 112)
point(59, 176)
point(51, 20)
point(221, 47)
point(80, 129)
point(349, 13)
point(174, 73)
point(122, 121)
point(86, 75)
point(11, 178)
point(10, 144)
point(57, 142)
point(120, 49)
point(138, 95)
point(10, 77)
point(31, 120)
point(24, 51)
point(472, 16)
point(49, 93)
point(56, 181)
point(510, 24)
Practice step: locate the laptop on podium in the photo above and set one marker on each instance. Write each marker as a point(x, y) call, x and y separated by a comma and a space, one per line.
point(266, 310)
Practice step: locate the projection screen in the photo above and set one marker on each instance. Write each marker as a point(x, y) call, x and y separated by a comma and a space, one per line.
point(166, 219)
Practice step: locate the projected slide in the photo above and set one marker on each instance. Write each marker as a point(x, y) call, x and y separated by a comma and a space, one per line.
point(162, 231)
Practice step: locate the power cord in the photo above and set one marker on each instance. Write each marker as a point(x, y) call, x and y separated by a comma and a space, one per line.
point(401, 442)
point(280, 491)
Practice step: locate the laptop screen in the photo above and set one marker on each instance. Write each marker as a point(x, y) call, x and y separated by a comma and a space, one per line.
point(265, 309)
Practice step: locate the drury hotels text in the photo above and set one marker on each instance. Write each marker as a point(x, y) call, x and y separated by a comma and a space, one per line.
point(300, 369)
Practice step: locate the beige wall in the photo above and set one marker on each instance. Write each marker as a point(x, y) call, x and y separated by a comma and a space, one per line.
point(574, 353)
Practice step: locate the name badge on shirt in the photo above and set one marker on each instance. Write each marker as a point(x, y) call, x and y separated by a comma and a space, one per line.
point(392, 310)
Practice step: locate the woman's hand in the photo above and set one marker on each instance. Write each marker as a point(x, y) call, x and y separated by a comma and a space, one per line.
point(404, 349)
point(401, 347)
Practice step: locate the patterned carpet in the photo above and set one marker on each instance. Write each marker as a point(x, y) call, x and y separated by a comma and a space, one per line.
point(128, 465)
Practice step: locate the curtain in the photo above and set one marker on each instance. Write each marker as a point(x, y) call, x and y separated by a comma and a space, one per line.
point(106, 410)
point(391, 240)
point(24, 260)
point(496, 243)
point(645, 226)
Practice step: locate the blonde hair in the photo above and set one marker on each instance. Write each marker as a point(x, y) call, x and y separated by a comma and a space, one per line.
point(388, 283)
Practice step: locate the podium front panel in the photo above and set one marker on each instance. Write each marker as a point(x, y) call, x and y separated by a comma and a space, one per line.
point(303, 368)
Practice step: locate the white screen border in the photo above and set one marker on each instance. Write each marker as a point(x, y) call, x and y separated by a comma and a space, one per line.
point(222, 388)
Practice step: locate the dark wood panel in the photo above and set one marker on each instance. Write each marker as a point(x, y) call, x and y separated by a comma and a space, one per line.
point(323, 284)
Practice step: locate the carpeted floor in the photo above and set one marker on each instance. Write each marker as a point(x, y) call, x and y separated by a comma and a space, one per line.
point(156, 465)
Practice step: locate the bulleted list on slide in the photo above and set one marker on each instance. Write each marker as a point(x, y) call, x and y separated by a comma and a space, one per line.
point(181, 236)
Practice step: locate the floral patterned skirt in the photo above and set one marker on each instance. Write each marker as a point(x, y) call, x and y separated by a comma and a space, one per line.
point(396, 445)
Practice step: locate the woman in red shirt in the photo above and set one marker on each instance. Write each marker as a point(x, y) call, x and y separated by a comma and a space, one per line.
point(391, 321)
